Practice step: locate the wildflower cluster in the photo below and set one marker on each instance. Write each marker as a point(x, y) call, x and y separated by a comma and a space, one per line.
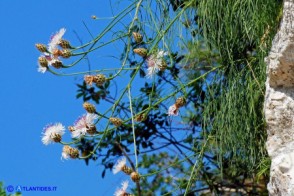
point(85, 126)
point(155, 61)
point(57, 47)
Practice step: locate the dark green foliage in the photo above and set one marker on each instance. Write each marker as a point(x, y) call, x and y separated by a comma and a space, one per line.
point(241, 31)
point(236, 27)
point(92, 93)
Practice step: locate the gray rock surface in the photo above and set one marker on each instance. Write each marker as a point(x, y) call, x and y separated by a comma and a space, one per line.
point(279, 106)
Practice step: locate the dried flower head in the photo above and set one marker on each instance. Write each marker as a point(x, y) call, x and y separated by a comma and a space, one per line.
point(116, 121)
point(122, 191)
point(180, 102)
point(121, 166)
point(89, 107)
point(173, 110)
point(135, 176)
point(137, 37)
point(69, 152)
point(141, 52)
point(52, 133)
point(83, 124)
point(99, 79)
point(41, 47)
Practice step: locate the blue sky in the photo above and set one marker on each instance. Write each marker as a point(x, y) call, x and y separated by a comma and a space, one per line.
point(30, 100)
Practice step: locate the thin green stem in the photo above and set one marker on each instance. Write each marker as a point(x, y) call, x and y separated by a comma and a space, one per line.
point(194, 167)
point(87, 72)
point(133, 125)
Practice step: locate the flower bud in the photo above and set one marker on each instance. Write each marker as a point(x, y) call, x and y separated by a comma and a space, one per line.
point(41, 47)
point(65, 53)
point(90, 108)
point(127, 170)
point(137, 37)
point(141, 51)
point(43, 61)
point(65, 44)
point(57, 64)
point(71, 128)
point(180, 102)
point(135, 176)
point(99, 79)
point(116, 121)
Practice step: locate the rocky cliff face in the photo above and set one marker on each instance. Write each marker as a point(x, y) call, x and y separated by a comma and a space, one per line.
point(279, 106)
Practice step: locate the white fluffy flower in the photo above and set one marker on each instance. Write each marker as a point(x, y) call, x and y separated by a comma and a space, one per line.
point(119, 165)
point(65, 152)
point(154, 62)
point(122, 191)
point(173, 110)
point(52, 131)
point(82, 124)
point(64, 155)
point(55, 40)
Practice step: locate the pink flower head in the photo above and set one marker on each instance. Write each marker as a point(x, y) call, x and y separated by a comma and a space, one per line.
point(82, 124)
point(173, 110)
point(51, 131)
point(122, 191)
point(154, 61)
point(55, 40)
point(54, 52)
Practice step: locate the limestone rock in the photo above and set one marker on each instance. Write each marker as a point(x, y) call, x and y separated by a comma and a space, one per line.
point(279, 105)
